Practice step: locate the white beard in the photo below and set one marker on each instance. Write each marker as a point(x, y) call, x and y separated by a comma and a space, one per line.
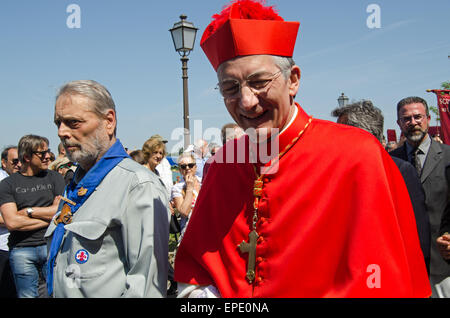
point(416, 136)
point(89, 153)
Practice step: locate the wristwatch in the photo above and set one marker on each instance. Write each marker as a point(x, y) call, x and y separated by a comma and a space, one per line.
point(30, 212)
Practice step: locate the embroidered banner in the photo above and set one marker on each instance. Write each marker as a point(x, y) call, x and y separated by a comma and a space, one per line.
point(443, 97)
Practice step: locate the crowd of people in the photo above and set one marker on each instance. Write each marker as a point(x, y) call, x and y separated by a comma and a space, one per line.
point(288, 206)
point(59, 171)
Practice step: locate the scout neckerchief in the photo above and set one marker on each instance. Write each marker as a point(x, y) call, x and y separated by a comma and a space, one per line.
point(77, 194)
point(250, 247)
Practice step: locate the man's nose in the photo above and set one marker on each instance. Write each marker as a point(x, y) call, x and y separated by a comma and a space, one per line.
point(63, 131)
point(47, 155)
point(415, 121)
point(248, 98)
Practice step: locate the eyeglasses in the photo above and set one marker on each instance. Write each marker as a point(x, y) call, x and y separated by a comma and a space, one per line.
point(418, 118)
point(15, 162)
point(41, 154)
point(190, 165)
point(258, 84)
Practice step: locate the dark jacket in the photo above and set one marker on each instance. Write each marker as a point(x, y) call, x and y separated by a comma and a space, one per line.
point(436, 187)
point(417, 196)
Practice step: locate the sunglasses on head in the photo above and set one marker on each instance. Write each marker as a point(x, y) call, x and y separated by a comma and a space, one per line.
point(190, 165)
point(66, 165)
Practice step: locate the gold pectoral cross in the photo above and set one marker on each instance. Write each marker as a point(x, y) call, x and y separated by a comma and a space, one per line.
point(250, 248)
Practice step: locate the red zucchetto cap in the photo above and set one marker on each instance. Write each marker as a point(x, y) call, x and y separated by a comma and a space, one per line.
point(247, 27)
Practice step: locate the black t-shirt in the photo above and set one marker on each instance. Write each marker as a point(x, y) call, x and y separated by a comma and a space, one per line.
point(35, 191)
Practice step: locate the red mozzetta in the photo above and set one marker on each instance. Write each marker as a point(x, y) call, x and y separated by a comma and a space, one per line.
point(332, 223)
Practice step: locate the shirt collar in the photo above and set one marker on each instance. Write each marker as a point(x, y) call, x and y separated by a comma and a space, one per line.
point(280, 141)
point(424, 145)
point(291, 131)
point(291, 121)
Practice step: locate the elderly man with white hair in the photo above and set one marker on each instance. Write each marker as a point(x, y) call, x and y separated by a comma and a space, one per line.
point(110, 236)
point(327, 214)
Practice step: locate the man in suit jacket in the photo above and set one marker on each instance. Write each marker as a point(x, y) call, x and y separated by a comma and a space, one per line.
point(363, 114)
point(430, 159)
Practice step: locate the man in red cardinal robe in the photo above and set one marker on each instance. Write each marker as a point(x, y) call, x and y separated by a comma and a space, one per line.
point(326, 214)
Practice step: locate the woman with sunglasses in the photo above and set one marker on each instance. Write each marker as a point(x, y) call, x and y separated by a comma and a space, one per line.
point(184, 194)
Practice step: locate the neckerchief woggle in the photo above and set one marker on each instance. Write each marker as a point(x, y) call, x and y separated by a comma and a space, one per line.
point(90, 181)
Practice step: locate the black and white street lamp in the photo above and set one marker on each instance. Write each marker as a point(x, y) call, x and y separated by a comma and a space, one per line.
point(183, 36)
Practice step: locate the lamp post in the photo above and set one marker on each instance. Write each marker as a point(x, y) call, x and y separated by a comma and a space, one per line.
point(183, 36)
point(342, 100)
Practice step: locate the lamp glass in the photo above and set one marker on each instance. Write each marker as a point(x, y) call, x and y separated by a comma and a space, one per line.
point(177, 37)
point(342, 100)
point(189, 38)
point(183, 36)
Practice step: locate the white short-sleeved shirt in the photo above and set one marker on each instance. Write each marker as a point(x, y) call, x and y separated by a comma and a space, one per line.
point(177, 192)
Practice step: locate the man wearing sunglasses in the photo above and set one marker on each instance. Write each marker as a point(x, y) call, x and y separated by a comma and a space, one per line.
point(326, 215)
point(10, 160)
point(28, 201)
point(110, 237)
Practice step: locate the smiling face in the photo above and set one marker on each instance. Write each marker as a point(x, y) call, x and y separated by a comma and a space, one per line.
point(85, 136)
point(269, 108)
point(155, 157)
point(153, 150)
point(187, 166)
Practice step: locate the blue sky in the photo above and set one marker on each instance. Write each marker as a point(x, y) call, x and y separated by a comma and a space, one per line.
point(126, 46)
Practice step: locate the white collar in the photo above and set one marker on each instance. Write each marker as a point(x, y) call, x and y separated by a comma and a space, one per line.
point(291, 121)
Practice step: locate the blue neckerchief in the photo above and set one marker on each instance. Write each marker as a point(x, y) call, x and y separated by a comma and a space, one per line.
point(90, 181)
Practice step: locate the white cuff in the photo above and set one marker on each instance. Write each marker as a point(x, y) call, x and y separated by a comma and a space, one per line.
point(197, 291)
